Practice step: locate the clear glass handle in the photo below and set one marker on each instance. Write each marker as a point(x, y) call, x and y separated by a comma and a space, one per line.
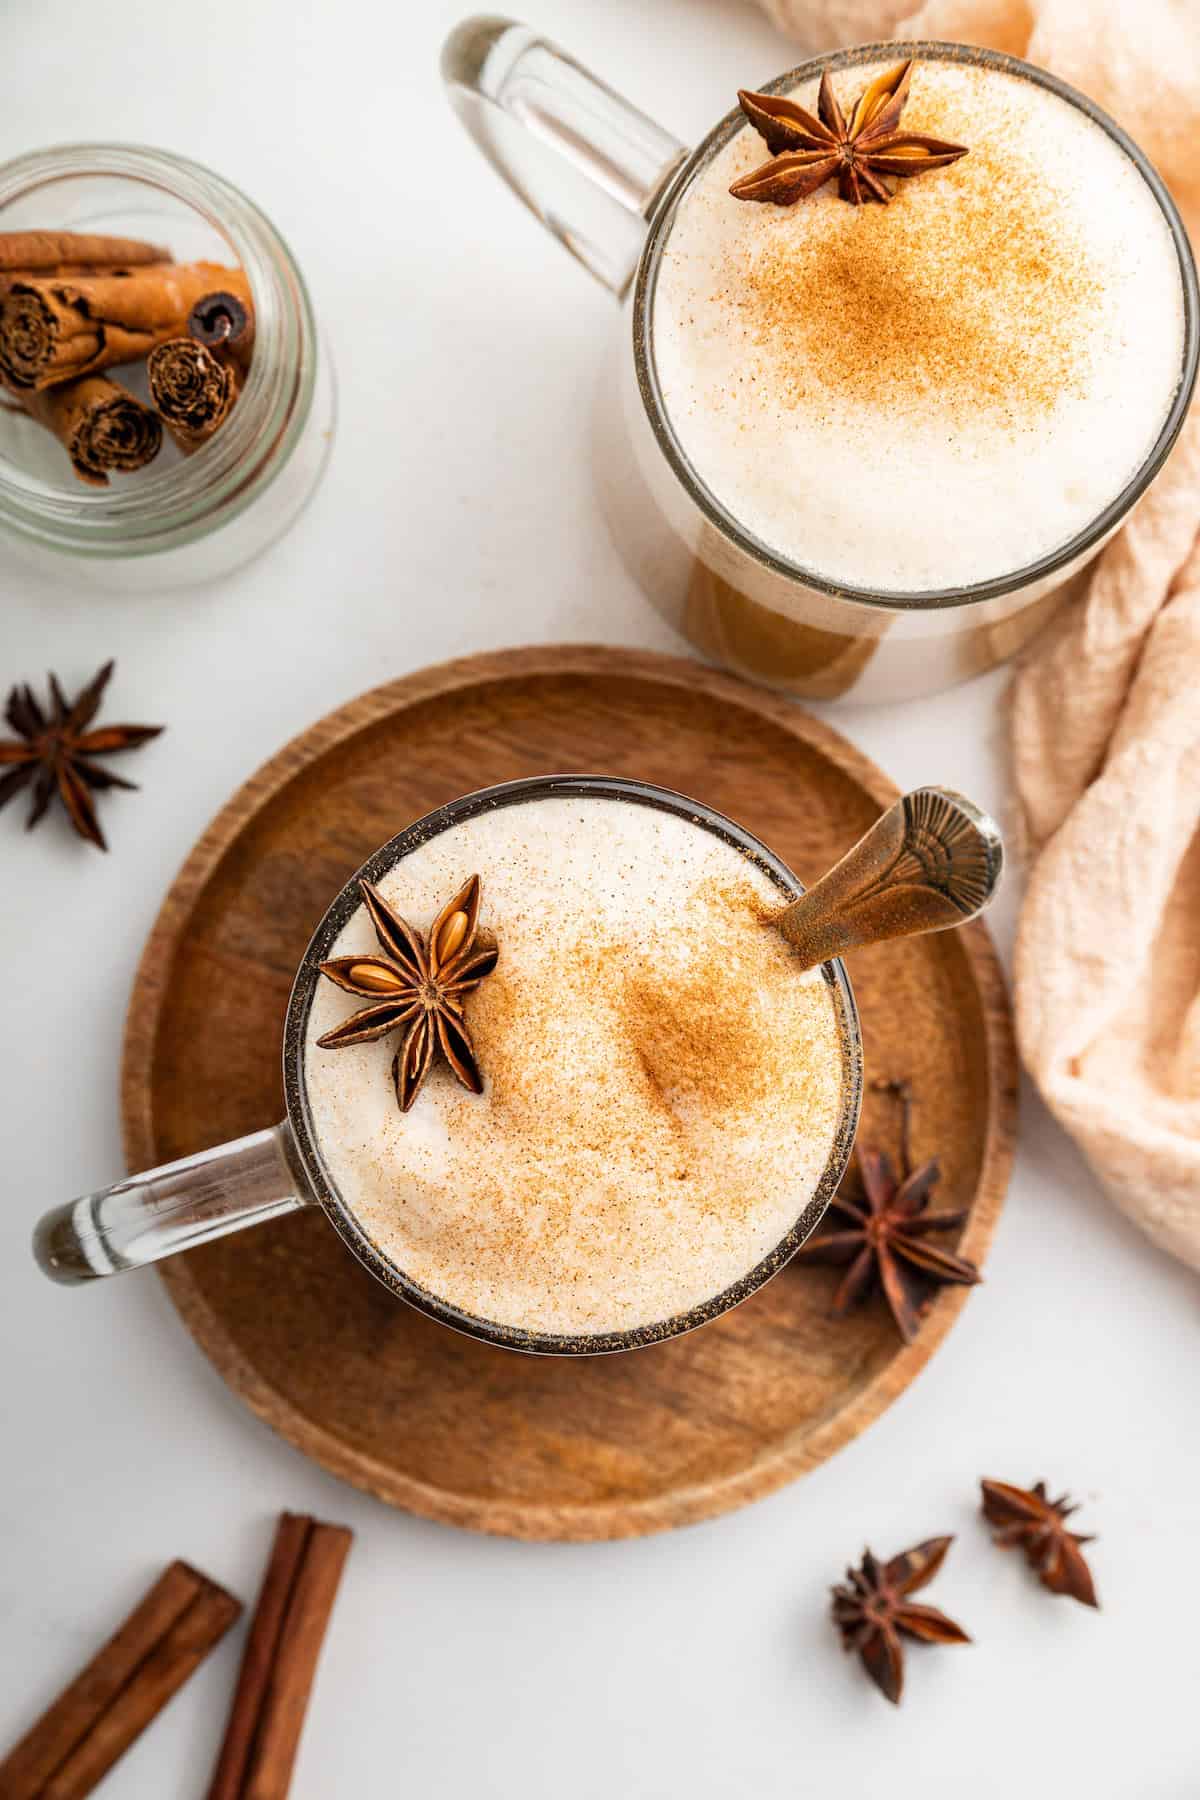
point(172, 1208)
point(586, 162)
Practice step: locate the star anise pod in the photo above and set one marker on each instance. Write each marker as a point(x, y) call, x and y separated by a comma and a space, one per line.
point(418, 982)
point(859, 151)
point(1027, 1519)
point(885, 1239)
point(54, 751)
point(873, 1612)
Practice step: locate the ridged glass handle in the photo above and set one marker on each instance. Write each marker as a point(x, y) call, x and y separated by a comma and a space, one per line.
point(588, 163)
point(184, 1203)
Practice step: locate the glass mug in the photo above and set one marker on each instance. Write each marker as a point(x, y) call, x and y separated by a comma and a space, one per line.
point(270, 1173)
point(607, 181)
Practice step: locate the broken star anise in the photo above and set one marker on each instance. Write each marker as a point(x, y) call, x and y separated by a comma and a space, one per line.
point(885, 1238)
point(418, 982)
point(1027, 1519)
point(873, 1611)
point(806, 152)
point(54, 750)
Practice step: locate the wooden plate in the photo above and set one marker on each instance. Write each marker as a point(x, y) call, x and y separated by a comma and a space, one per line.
point(426, 1419)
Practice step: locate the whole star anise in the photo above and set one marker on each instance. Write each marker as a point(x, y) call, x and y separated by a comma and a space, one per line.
point(418, 982)
point(1027, 1519)
point(859, 151)
point(885, 1241)
point(54, 750)
point(873, 1612)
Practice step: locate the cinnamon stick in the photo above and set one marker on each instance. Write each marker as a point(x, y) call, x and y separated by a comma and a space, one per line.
point(123, 1688)
point(54, 330)
point(73, 252)
point(222, 321)
point(102, 428)
point(262, 1646)
point(280, 1660)
point(193, 389)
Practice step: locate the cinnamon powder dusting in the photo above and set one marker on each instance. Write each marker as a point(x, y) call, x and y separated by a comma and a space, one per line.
point(693, 1047)
point(970, 287)
point(697, 1041)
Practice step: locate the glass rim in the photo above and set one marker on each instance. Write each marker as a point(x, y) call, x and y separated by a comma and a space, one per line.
point(352, 1232)
point(203, 493)
point(905, 600)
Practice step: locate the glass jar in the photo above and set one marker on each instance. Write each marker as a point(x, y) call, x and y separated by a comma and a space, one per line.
point(182, 519)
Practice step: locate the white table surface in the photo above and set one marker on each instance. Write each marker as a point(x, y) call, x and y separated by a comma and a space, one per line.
point(457, 515)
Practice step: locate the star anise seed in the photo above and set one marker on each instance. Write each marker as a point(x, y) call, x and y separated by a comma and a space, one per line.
point(54, 749)
point(418, 982)
point(873, 1612)
point(806, 152)
point(885, 1242)
point(1027, 1519)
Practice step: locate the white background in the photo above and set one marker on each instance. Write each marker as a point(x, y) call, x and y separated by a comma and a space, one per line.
point(458, 515)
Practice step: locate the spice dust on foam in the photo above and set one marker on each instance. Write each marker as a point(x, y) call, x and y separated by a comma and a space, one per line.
point(661, 1089)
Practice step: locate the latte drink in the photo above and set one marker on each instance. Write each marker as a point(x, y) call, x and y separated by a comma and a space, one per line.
point(663, 1088)
point(939, 391)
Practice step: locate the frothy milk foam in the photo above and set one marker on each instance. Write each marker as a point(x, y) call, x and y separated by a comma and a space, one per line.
point(938, 391)
point(662, 1085)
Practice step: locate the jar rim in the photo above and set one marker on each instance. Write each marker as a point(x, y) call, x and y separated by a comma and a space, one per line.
point(1055, 562)
point(171, 507)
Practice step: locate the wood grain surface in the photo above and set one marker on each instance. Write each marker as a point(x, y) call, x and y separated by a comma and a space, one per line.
point(435, 1422)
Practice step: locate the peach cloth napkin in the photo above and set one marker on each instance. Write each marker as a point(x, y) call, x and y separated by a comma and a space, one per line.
point(1105, 713)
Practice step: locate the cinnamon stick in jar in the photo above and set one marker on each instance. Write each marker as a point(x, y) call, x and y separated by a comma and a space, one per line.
point(52, 330)
point(224, 323)
point(193, 389)
point(103, 429)
point(52, 253)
